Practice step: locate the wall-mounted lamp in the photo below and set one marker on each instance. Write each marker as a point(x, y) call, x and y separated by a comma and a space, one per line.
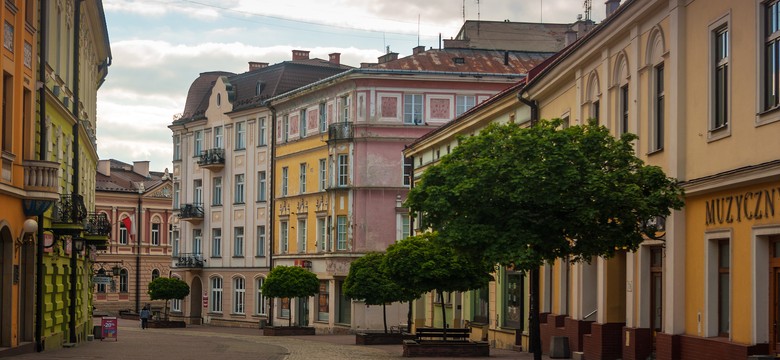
point(78, 244)
point(27, 236)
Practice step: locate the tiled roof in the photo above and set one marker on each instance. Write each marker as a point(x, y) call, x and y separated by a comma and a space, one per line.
point(506, 35)
point(123, 179)
point(469, 60)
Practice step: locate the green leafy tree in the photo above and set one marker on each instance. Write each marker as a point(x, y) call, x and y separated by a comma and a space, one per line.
point(424, 263)
point(368, 281)
point(290, 282)
point(525, 196)
point(163, 288)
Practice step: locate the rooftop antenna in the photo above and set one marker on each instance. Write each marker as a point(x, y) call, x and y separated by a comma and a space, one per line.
point(418, 29)
point(479, 13)
point(464, 11)
point(587, 5)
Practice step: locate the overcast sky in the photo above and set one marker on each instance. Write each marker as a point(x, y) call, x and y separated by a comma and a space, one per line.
point(160, 46)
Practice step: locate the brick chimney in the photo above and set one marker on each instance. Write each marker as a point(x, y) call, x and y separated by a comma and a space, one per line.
point(612, 5)
point(104, 167)
point(335, 58)
point(300, 55)
point(388, 57)
point(141, 168)
point(254, 65)
point(418, 49)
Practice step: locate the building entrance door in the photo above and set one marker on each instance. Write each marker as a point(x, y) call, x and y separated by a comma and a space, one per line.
point(302, 311)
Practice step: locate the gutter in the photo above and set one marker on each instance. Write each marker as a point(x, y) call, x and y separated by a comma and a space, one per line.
point(42, 33)
point(76, 99)
point(271, 196)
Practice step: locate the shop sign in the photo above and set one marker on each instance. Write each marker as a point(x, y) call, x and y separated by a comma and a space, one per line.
point(750, 205)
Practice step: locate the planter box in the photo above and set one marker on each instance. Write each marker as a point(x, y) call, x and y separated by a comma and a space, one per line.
point(381, 338)
point(161, 324)
point(287, 331)
point(446, 349)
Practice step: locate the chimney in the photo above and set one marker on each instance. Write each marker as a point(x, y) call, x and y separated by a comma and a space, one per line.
point(418, 49)
point(612, 5)
point(254, 65)
point(388, 57)
point(104, 167)
point(141, 168)
point(335, 58)
point(570, 37)
point(300, 55)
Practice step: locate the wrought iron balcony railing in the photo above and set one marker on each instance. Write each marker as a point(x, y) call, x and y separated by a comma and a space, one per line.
point(192, 260)
point(69, 209)
point(212, 158)
point(97, 225)
point(191, 211)
point(340, 131)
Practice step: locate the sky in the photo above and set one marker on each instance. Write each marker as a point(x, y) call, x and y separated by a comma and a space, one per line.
point(159, 47)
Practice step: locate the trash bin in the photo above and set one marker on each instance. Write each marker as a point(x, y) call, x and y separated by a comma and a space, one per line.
point(97, 331)
point(263, 323)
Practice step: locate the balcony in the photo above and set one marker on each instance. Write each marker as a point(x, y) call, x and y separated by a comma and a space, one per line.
point(41, 180)
point(212, 159)
point(68, 215)
point(340, 131)
point(191, 212)
point(189, 261)
point(97, 230)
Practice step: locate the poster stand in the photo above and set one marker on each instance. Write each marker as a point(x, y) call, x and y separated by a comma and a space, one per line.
point(110, 328)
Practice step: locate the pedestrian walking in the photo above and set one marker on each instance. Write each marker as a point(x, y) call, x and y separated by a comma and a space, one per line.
point(145, 314)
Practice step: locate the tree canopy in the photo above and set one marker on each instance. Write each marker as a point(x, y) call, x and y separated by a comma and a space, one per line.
point(163, 288)
point(526, 195)
point(290, 282)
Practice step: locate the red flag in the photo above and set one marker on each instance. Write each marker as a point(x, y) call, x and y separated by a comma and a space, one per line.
point(128, 224)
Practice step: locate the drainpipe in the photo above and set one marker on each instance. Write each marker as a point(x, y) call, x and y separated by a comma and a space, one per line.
point(271, 202)
point(138, 254)
point(533, 104)
point(73, 255)
point(41, 156)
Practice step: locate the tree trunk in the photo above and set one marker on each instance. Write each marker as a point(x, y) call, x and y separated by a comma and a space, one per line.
point(165, 310)
point(384, 315)
point(535, 341)
point(409, 318)
point(443, 316)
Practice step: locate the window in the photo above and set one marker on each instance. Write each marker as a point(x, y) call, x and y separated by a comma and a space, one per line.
point(413, 108)
point(284, 181)
point(175, 240)
point(302, 236)
point(101, 288)
point(155, 274)
point(122, 233)
point(341, 237)
point(285, 128)
point(238, 241)
point(170, 230)
point(480, 305)
point(409, 170)
point(240, 135)
point(123, 281)
point(261, 133)
point(261, 185)
point(284, 308)
point(624, 109)
point(720, 83)
point(219, 99)
point(322, 233)
point(283, 245)
point(658, 103)
point(176, 303)
point(724, 286)
point(198, 143)
point(771, 55)
point(261, 303)
point(260, 250)
point(176, 193)
point(176, 147)
point(302, 178)
point(323, 118)
point(239, 295)
point(197, 194)
point(323, 306)
point(656, 287)
point(323, 171)
point(344, 315)
point(463, 103)
point(405, 229)
point(216, 242)
point(197, 239)
point(302, 123)
point(513, 293)
point(216, 192)
point(156, 234)
point(343, 176)
point(594, 110)
point(345, 109)
point(215, 303)
point(239, 192)
point(218, 138)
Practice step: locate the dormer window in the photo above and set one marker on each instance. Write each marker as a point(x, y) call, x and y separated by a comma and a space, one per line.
point(459, 60)
point(259, 88)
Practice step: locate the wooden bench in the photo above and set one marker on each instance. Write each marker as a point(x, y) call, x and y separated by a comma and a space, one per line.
point(454, 334)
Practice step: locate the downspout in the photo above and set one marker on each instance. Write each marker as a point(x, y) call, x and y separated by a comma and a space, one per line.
point(73, 254)
point(41, 156)
point(271, 202)
point(533, 104)
point(138, 221)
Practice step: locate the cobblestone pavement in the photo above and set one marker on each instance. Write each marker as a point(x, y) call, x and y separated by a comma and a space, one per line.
point(209, 342)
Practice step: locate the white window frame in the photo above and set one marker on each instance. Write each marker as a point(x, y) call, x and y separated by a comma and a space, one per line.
point(284, 234)
point(345, 103)
point(261, 302)
point(219, 142)
point(413, 109)
point(197, 241)
point(239, 295)
point(240, 135)
point(342, 232)
point(261, 186)
point(238, 196)
point(323, 173)
point(302, 236)
point(155, 234)
point(323, 117)
point(766, 113)
point(716, 130)
point(197, 193)
point(123, 234)
point(343, 170)
point(261, 136)
point(464, 103)
point(285, 177)
point(322, 233)
point(238, 241)
point(215, 300)
point(302, 123)
point(260, 245)
point(216, 193)
point(176, 147)
point(216, 242)
point(197, 143)
point(302, 178)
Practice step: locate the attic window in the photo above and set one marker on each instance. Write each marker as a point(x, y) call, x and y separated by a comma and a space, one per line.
point(459, 60)
point(259, 88)
point(219, 99)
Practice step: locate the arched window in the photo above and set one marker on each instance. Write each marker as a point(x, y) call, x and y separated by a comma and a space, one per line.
point(621, 84)
point(123, 281)
point(261, 303)
point(593, 97)
point(656, 48)
point(155, 274)
point(122, 233)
